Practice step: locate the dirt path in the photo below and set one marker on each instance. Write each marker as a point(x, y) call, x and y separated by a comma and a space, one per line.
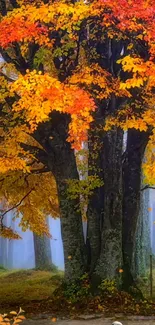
point(100, 321)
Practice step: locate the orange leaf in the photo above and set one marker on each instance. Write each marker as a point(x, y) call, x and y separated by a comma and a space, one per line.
point(54, 319)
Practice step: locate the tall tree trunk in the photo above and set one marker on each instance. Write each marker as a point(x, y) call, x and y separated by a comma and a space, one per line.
point(60, 159)
point(136, 144)
point(71, 219)
point(95, 208)
point(42, 249)
point(111, 241)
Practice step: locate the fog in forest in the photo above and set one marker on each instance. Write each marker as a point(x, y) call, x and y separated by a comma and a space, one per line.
point(19, 254)
point(16, 254)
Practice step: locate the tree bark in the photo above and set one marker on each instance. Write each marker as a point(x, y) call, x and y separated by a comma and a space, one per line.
point(95, 208)
point(111, 241)
point(136, 144)
point(60, 159)
point(142, 248)
point(71, 220)
point(42, 249)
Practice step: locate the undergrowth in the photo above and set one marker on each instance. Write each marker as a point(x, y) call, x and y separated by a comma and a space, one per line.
point(45, 292)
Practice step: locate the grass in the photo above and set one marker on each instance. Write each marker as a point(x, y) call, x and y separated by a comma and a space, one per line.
point(22, 287)
point(32, 290)
point(144, 285)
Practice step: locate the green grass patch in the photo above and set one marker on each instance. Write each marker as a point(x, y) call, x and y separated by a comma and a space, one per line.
point(25, 286)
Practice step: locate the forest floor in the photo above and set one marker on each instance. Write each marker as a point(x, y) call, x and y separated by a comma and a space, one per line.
point(32, 290)
point(25, 287)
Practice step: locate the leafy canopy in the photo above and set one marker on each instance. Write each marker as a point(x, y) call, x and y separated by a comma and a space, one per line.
point(54, 62)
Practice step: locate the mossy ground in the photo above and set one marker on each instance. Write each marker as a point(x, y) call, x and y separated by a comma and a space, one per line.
point(22, 287)
point(41, 292)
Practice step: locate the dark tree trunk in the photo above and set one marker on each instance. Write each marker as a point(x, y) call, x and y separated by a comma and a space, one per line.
point(42, 249)
point(71, 220)
point(60, 159)
point(136, 144)
point(111, 241)
point(95, 208)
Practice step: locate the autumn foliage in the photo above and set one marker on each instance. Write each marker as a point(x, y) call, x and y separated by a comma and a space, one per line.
point(52, 49)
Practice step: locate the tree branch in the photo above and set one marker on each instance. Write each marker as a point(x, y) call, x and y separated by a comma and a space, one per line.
point(146, 187)
point(15, 206)
point(14, 3)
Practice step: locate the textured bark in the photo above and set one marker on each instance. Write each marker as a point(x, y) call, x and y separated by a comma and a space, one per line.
point(71, 219)
point(142, 248)
point(111, 242)
point(60, 159)
point(95, 208)
point(136, 144)
point(42, 249)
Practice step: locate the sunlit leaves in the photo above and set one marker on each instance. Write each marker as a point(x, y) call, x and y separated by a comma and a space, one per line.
point(14, 29)
point(149, 163)
point(6, 232)
point(32, 210)
point(41, 94)
point(22, 23)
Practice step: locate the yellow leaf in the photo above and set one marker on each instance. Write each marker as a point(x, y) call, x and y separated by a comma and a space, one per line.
point(130, 46)
point(17, 321)
point(54, 319)
point(13, 313)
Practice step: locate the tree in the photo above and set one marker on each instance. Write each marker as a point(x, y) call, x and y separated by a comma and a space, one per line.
point(54, 102)
point(42, 250)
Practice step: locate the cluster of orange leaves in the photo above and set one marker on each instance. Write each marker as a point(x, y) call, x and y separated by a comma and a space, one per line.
point(17, 29)
point(40, 94)
point(129, 16)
